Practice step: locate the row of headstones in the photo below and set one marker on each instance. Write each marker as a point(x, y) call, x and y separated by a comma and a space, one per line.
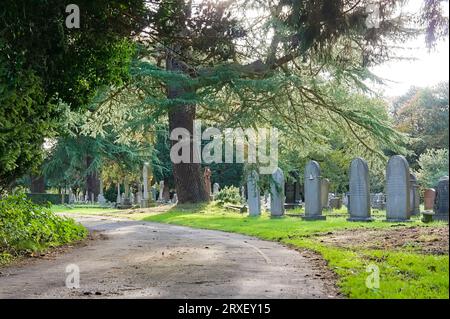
point(402, 196)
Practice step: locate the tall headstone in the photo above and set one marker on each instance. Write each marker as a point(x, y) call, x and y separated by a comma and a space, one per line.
point(359, 196)
point(101, 196)
point(414, 197)
point(243, 197)
point(145, 199)
point(254, 203)
point(119, 198)
point(313, 194)
point(324, 190)
point(161, 192)
point(441, 201)
point(397, 190)
point(277, 192)
point(139, 194)
point(429, 197)
point(207, 177)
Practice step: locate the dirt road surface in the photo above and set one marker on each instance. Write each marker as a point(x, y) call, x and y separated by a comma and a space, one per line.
point(129, 259)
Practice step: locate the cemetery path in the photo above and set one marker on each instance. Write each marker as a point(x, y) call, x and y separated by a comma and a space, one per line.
point(129, 259)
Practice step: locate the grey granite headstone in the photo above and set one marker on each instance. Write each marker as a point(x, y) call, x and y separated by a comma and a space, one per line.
point(313, 197)
point(243, 198)
point(414, 197)
point(324, 191)
point(145, 199)
point(441, 200)
point(161, 192)
point(397, 190)
point(119, 197)
point(359, 196)
point(216, 189)
point(254, 204)
point(277, 192)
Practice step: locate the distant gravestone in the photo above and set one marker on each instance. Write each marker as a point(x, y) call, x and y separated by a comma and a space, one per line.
point(161, 192)
point(216, 189)
point(359, 196)
point(397, 190)
point(324, 190)
point(254, 203)
point(313, 198)
point(243, 197)
point(414, 197)
point(441, 201)
point(101, 197)
point(277, 194)
point(429, 197)
point(145, 198)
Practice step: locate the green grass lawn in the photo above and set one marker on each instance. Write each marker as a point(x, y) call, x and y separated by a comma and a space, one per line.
point(82, 209)
point(404, 273)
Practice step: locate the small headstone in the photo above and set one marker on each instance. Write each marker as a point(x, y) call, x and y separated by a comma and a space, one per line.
point(216, 189)
point(207, 177)
point(397, 190)
point(313, 197)
point(175, 198)
point(429, 197)
point(254, 204)
point(359, 196)
point(324, 190)
point(441, 201)
point(277, 192)
point(414, 198)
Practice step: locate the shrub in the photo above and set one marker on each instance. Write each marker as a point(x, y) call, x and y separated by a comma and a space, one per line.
point(228, 195)
point(26, 227)
point(433, 166)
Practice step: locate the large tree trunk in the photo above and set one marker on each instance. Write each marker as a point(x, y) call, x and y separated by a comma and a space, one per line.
point(188, 177)
point(92, 181)
point(37, 184)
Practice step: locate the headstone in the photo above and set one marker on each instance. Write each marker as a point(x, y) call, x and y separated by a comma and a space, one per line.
point(277, 194)
point(139, 194)
point(378, 201)
point(359, 196)
point(335, 203)
point(145, 199)
point(414, 197)
point(324, 190)
point(86, 198)
point(216, 189)
point(101, 196)
point(397, 190)
point(175, 198)
point(441, 200)
point(243, 197)
point(154, 192)
point(254, 204)
point(207, 178)
point(429, 197)
point(119, 197)
point(313, 197)
point(161, 192)
point(345, 199)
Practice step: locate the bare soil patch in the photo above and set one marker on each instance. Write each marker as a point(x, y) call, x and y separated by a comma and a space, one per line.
point(426, 240)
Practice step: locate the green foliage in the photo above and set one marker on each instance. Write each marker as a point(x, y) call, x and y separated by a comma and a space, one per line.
point(433, 165)
point(26, 227)
point(423, 113)
point(42, 63)
point(228, 195)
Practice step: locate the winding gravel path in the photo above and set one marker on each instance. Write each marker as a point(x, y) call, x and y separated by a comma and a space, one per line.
point(129, 259)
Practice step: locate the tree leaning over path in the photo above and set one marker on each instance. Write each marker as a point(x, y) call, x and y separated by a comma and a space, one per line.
point(288, 64)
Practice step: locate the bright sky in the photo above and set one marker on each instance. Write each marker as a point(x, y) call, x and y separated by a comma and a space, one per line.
point(428, 68)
